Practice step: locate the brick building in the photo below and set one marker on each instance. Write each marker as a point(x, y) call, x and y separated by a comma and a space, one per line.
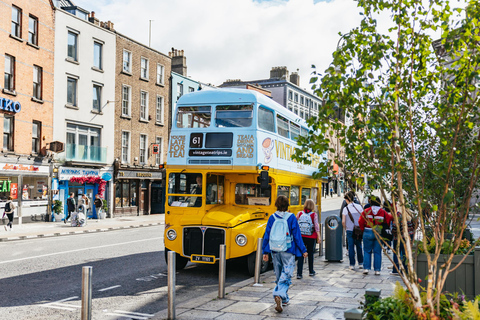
point(142, 93)
point(26, 103)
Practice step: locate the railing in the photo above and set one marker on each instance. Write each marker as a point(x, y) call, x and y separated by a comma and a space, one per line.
point(79, 152)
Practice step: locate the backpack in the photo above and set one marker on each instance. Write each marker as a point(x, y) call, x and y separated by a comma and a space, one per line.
point(280, 238)
point(7, 207)
point(306, 223)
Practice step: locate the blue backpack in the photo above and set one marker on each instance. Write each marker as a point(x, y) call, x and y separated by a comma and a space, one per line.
point(280, 237)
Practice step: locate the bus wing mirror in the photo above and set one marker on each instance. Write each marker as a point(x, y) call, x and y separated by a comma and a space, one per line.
point(263, 179)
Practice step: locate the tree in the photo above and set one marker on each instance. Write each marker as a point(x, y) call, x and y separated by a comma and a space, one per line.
point(414, 113)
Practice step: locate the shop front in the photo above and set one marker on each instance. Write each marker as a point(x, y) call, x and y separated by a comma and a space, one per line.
point(138, 192)
point(80, 182)
point(28, 186)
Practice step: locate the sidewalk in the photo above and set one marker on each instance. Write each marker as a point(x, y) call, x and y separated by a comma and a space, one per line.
point(52, 229)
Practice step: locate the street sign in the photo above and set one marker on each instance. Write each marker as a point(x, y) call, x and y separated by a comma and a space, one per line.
point(155, 149)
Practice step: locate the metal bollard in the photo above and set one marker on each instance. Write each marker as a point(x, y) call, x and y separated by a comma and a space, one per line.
point(86, 293)
point(171, 284)
point(258, 263)
point(222, 270)
point(320, 242)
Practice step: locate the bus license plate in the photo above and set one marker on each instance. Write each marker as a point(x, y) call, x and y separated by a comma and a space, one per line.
point(202, 259)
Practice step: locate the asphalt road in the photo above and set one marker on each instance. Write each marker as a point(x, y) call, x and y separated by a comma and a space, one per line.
point(41, 278)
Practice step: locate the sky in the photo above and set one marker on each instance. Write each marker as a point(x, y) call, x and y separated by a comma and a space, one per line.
point(235, 39)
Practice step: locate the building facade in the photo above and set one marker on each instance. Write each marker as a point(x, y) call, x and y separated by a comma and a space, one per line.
point(26, 104)
point(142, 92)
point(84, 104)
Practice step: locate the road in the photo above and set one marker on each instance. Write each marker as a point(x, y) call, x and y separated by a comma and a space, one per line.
point(41, 278)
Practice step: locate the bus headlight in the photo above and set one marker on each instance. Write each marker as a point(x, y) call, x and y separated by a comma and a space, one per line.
point(241, 240)
point(171, 234)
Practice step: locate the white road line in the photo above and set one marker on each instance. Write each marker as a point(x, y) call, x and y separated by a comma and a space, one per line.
point(135, 313)
point(57, 307)
point(110, 288)
point(126, 316)
point(77, 250)
point(66, 299)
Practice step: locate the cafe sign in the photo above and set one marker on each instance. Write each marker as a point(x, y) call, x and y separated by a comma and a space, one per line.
point(14, 167)
point(10, 105)
point(66, 173)
point(140, 174)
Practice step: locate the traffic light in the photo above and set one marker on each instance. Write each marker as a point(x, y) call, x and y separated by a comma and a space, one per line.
point(263, 179)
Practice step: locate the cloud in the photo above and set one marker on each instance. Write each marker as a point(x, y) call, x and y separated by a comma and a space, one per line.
point(236, 39)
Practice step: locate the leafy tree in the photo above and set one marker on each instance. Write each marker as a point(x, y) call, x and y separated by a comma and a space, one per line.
point(414, 113)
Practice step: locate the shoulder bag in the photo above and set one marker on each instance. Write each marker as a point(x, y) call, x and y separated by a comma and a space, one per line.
point(357, 232)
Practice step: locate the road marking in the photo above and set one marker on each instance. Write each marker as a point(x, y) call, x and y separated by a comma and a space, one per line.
point(135, 313)
point(128, 315)
point(78, 250)
point(110, 288)
point(151, 277)
point(63, 306)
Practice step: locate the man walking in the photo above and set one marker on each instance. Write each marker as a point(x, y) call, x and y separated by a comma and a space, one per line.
point(70, 206)
point(98, 203)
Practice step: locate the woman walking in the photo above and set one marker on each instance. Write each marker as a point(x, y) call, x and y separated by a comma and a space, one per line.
point(351, 215)
point(9, 211)
point(310, 230)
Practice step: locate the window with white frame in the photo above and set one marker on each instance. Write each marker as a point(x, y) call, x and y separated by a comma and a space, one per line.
point(125, 147)
point(97, 98)
point(33, 30)
point(37, 82)
point(16, 22)
point(9, 78)
point(160, 72)
point(126, 100)
point(71, 91)
point(290, 95)
point(36, 133)
point(97, 55)
point(72, 52)
point(159, 110)
point(8, 126)
point(143, 148)
point(143, 105)
point(179, 90)
point(127, 61)
point(144, 68)
point(158, 156)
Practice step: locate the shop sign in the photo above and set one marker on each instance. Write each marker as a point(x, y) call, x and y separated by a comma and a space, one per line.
point(23, 168)
point(139, 174)
point(65, 173)
point(9, 105)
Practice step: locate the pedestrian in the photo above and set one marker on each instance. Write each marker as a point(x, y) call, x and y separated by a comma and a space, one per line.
point(9, 211)
point(86, 203)
point(350, 218)
point(340, 214)
point(331, 192)
point(370, 218)
point(388, 206)
point(310, 230)
point(98, 203)
point(367, 205)
point(283, 240)
point(70, 206)
point(398, 246)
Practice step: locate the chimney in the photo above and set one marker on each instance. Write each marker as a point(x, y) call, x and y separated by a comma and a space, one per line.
point(279, 73)
point(179, 61)
point(93, 20)
point(107, 25)
point(295, 78)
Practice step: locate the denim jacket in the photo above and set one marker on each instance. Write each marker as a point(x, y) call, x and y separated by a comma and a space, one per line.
point(297, 248)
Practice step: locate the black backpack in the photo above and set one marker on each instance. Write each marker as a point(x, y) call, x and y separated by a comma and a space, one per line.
point(7, 207)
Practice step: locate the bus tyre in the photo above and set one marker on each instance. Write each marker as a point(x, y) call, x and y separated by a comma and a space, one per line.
point(180, 262)
point(251, 264)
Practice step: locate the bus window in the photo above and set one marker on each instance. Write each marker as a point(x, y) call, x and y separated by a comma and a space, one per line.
point(234, 116)
point(283, 191)
point(282, 126)
point(252, 194)
point(193, 117)
point(185, 184)
point(214, 189)
point(305, 195)
point(294, 196)
point(294, 131)
point(219, 140)
point(266, 121)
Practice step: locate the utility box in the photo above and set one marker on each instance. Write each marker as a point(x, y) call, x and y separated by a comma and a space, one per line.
point(333, 239)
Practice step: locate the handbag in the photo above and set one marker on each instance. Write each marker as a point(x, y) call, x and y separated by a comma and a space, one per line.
point(357, 232)
point(386, 232)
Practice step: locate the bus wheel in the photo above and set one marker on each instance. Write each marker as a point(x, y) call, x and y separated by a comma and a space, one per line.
point(180, 262)
point(251, 264)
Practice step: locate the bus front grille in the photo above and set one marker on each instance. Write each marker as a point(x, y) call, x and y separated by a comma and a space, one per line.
point(206, 242)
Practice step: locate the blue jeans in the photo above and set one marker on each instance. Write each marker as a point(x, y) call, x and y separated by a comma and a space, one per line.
point(352, 245)
point(401, 254)
point(283, 265)
point(371, 245)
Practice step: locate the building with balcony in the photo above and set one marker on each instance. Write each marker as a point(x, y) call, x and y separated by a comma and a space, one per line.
point(142, 89)
point(84, 104)
point(26, 105)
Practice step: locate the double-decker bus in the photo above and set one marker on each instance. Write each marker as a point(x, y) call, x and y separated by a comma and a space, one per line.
point(229, 158)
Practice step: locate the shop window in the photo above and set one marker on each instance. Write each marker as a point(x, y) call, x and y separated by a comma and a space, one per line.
point(36, 134)
point(294, 196)
point(126, 193)
point(215, 189)
point(34, 188)
point(305, 195)
point(8, 129)
point(8, 188)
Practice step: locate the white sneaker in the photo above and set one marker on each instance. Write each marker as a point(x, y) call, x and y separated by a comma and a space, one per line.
point(360, 266)
point(377, 273)
point(352, 268)
point(365, 271)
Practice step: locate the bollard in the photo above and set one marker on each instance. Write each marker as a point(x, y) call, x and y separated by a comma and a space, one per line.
point(372, 295)
point(86, 293)
point(258, 263)
point(221, 272)
point(353, 314)
point(320, 241)
point(171, 284)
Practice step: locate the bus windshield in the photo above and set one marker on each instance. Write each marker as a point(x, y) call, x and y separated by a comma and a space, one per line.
point(252, 194)
point(185, 184)
point(234, 116)
point(194, 117)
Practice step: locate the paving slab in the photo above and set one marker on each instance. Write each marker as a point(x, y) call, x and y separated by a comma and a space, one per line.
point(247, 307)
point(215, 305)
point(290, 311)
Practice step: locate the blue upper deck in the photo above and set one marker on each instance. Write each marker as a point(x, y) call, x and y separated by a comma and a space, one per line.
point(235, 127)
